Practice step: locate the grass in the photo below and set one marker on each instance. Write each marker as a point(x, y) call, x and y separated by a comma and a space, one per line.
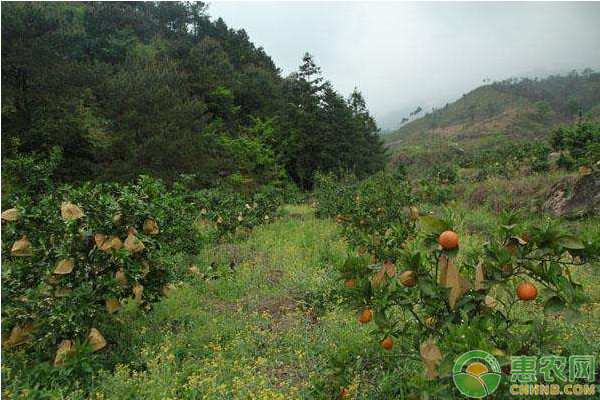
point(262, 331)
point(268, 324)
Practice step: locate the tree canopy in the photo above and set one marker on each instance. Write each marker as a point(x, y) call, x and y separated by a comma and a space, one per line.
point(125, 88)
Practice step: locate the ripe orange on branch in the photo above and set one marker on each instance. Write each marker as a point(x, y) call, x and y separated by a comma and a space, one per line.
point(527, 291)
point(366, 316)
point(387, 343)
point(448, 240)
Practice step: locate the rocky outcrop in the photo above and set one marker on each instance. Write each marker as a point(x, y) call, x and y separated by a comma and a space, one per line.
point(575, 194)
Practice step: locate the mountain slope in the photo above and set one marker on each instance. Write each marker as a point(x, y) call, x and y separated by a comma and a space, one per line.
point(527, 108)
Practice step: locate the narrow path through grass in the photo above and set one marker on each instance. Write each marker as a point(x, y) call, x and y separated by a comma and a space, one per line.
point(262, 331)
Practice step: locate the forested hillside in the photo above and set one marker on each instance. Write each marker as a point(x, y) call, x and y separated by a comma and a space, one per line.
point(500, 122)
point(518, 108)
point(126, 88)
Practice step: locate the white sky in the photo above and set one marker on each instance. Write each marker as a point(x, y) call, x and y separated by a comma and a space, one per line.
point(406, 54)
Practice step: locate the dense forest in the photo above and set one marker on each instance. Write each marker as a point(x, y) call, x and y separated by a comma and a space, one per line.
point(129, 88)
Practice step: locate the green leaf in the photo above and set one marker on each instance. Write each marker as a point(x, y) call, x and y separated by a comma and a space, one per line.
point(432, 224)
point(554, 272)
point(381, 321)
point(565, 284)
point(554, 305)
point(427, 288)
point(570, 242)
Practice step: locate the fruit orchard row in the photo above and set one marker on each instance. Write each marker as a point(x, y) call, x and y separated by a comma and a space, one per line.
point(72, 255)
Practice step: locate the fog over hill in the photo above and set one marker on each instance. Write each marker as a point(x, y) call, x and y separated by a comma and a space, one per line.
point(392, 120)
point(519, 108)
point(403, 55)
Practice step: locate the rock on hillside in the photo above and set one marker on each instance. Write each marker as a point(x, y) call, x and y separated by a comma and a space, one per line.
point(575, 194)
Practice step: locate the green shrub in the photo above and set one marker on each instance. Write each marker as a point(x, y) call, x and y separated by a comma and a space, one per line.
point(228, 212)
point(73, 255)
point(334, 196)
point(29, 175)
point(443, 174)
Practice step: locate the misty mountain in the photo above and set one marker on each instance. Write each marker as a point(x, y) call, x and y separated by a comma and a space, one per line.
point(517, 108)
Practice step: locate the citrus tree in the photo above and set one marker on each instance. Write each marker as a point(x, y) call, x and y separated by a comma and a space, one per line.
point(71, 256)
point(423, 295)
point(228, 212)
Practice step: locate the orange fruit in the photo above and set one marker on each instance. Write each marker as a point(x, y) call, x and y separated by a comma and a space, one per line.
point(350, 282)
point(387, 343)
point(366, 316)
point(408, 278)
point(361, 250)
point(448, 240)
point(527, 291)
point(362, 222)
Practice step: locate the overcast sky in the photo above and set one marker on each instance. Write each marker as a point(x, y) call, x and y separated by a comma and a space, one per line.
point(402, 54)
